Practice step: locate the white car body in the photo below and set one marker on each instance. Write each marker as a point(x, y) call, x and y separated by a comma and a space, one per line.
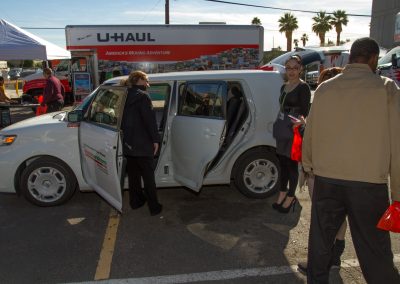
point(194, 150)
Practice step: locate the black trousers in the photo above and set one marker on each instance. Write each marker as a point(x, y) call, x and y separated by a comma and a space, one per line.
point(289, 174)
point(364, 206)
point(54, 106)
point(142, 168)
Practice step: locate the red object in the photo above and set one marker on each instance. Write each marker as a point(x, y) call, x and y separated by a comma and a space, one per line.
point(390, 220)
point(41, 110)
point(296, 146)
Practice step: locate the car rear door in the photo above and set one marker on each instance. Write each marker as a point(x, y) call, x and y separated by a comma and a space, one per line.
point(197, 130)
point(100, 144)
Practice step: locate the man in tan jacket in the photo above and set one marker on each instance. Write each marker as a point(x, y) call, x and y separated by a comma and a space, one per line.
point(352, 144)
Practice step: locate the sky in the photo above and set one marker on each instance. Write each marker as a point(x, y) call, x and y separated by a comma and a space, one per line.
point(59, 13)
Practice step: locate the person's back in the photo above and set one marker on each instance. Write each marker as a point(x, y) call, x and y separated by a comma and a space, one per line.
point(352, 110)
point(352, 144)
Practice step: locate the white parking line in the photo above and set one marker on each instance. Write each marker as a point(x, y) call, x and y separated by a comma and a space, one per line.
point(220, 275)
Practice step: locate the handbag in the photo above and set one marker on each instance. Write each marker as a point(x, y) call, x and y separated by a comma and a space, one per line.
point(282, 131)
point(295, 154)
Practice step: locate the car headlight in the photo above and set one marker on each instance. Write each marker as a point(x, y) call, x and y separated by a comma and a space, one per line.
point(6, 140)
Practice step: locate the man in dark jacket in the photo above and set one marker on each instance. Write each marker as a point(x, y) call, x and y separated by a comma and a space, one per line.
point(53, 95)
point(141, 141)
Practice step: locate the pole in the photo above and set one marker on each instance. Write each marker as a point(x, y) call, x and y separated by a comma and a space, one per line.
point(167, 12)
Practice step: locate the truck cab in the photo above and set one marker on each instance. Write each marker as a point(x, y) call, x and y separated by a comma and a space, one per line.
point(34, 84)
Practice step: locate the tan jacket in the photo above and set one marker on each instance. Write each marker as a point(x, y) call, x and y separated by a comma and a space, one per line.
point(353, 129)
point(3, 96)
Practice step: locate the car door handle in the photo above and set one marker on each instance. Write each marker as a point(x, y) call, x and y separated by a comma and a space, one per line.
point(109, 146)
point(207, 132)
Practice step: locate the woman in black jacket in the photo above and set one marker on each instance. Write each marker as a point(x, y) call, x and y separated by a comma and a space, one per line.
point(294, 100)
point(140, 142)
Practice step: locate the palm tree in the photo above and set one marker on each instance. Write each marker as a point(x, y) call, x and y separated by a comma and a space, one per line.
point(296, 42)
point(338, 20)
point(256, 21)
point(321, 25)
point(287, 24)
point(304, 39)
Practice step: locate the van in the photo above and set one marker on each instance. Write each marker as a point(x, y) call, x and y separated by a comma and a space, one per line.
point(230, 143)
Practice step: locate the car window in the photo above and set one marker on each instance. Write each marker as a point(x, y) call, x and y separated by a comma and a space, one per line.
point(106, 107)
point(158, 93)
point(202, 99)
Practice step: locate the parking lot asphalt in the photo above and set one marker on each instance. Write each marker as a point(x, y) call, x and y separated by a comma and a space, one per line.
point(215, 236)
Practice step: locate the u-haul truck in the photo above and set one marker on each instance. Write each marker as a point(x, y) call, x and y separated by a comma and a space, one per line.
point(105, 51)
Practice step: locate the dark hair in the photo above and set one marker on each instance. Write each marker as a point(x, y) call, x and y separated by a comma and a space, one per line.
point(236, 92)
point(329, 73)
point(1, 78)
point(363, 49)
point(295, 57)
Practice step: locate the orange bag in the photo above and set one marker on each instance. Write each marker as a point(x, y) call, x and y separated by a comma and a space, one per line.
point(40, 109)
point(390, 221)
point(296, 146)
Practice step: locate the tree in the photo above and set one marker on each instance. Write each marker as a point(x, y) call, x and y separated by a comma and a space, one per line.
point(339, 20)
point(304, 39)
point(296, 42)
point(256, 21)
point(321, 25)
point(287, 24)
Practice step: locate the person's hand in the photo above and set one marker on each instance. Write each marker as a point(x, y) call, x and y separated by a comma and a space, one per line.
point(155, 145)
point(301, 121)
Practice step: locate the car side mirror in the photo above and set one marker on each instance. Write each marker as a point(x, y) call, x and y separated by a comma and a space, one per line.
point(75, 116)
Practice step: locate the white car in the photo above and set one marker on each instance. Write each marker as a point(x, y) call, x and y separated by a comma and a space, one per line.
point(47, 157)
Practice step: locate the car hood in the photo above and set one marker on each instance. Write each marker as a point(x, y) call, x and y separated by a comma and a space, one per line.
point(38, 121)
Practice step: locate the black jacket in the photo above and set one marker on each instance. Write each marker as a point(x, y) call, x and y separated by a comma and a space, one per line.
point(139, 125)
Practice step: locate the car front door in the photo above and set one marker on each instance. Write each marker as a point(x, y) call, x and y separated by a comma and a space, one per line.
point(197, 130)
point(100, 144)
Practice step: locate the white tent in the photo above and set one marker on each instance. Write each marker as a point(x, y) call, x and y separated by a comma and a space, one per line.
point(18, 44)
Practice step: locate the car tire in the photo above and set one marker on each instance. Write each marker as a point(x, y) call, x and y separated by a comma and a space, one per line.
point(257, 173)
point(48, 182)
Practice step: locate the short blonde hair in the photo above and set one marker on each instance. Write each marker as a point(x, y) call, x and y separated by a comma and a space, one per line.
point(133, 78)
point(47, 71)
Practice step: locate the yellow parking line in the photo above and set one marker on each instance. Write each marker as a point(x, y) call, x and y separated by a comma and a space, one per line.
point(107, 251)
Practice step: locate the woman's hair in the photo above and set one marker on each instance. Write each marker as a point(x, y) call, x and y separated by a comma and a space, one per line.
point(294, 57)
point(133, 78)
point(1, 78)
point(329, 73)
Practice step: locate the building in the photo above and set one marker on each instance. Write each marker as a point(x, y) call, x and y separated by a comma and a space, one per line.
point(383, 22)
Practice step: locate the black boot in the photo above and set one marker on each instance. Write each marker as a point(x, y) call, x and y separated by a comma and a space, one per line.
point(337, 252)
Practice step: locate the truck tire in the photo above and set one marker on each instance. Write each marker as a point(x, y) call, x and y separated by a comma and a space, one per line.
point(47, 182)
point(256, 173)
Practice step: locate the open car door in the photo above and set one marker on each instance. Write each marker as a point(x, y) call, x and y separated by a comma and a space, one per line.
point(197, 130)
point(100, 144)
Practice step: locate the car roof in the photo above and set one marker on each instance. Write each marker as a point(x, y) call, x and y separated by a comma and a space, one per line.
point(199, 75)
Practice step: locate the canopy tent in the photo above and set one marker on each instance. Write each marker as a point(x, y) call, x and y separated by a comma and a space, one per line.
point(18, 44)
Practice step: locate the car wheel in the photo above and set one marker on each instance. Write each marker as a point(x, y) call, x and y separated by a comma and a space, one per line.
point(47, 182)
point(257, 173)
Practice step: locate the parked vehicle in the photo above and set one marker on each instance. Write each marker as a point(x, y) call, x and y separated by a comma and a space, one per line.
point(314, 59)
point(104, 50)
point(389, 65)
point(47, 157)
point(14, 73)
